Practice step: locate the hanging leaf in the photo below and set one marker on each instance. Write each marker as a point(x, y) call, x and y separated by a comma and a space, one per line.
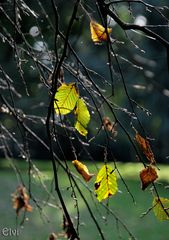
point(145, 147)
point(83, 117)
point(65, 98)
point(148, 175)
point(109, 126)
point(83, 170)
point(98, 32)
point(106, 183)
point(21, 200)
point(161, 208)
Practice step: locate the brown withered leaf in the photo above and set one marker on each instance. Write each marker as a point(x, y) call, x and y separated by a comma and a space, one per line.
point(21, 200)
point(52, 236)
point(69, 232)
point(145, 147)
point(110, 126)
point(148, 175)
point(83, 170)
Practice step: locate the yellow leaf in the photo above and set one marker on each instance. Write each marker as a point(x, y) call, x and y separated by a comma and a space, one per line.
point(148, 175)
point(83, 170)
point(106, 183)
point(83, 117)
point(65, 98)
point(161, 208)
point(98, 32)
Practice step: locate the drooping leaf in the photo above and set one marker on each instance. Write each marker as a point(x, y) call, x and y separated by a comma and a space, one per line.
point(98, 32)
point(106, 183)
point(161, 208)
point(83, 170)
point(65, 98)
point(109, 126)
point(82, 117)
point(148, 175)
point(145, 147)
point(21, 200)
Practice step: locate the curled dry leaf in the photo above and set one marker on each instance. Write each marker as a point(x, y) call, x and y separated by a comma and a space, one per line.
point(145, 147)
point(83, 170)
point(21, 200)
point(98, 32)
point(148, 175)
point(109, 126)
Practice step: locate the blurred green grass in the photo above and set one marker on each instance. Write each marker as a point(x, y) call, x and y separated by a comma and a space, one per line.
point(42, 221)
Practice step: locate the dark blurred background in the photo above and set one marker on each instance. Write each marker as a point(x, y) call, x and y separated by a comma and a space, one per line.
point(143, 62)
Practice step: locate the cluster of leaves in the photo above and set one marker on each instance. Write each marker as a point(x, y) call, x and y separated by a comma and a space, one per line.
point(105, 183)
point(67, 97)
point(148, 176)
point(66, 101)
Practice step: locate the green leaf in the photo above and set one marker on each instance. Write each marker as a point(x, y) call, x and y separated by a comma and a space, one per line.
point(106, 183)
point(65, 98)
point(83, 117)
point(161, 208)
